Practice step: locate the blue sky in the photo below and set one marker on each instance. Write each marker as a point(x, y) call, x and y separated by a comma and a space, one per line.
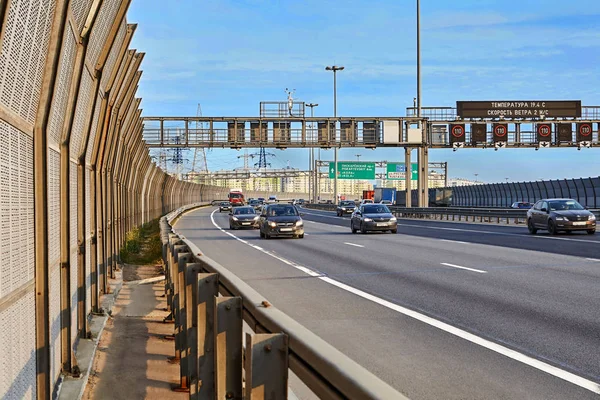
point(228, 55)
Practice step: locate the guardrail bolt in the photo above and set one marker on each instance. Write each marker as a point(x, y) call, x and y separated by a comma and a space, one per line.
point(268, 348)
point(228, 307)
point(229, 395)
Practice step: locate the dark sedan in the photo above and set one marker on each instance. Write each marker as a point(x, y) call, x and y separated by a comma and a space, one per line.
point(373, 217)
point(243, 217)
point(281, 220)
point(224, 206)
point(556, 215)
point(256, 204)
point(345, 207)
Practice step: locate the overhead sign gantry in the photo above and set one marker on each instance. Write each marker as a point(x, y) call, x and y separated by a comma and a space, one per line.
point(472, 124)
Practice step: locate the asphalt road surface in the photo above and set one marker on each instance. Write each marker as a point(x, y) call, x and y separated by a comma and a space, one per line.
point(440, 310)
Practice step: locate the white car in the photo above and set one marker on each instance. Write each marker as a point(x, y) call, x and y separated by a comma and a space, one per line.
point(386, 202)
point(366, 201)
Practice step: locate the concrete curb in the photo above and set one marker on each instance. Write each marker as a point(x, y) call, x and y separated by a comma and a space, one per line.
point(74, 388)
point(146, 281)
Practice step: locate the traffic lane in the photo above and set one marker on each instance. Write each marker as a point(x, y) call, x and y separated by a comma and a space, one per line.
point(419, 360)
point(574, 244)
point(480, 227)
point(530, 302)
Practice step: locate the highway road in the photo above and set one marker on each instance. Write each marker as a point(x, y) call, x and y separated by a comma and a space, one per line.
point(439, 310)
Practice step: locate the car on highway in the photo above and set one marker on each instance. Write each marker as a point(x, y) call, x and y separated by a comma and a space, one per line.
point(524, 205)
point(224, 206)
point(366, 201)
point(272, 199)
point(555, 215)
point(373, 217)
point(388, 202)
point(256, 204)
point(281, 220)
point(243, 217)
point(345, 207)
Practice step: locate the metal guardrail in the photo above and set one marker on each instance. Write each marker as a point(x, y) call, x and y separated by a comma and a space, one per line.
point(208, 336)
point(457, 214)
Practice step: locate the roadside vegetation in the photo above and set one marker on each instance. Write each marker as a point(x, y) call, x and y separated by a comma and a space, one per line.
point(143, 245)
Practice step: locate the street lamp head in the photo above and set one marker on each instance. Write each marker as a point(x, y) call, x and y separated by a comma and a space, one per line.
point(334, 68)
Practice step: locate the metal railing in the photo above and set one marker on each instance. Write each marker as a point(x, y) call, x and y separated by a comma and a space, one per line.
point(208, 303)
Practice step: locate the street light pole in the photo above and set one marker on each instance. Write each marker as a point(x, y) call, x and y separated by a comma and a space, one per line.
point(311, 158)
point(419, 60)
point(335, 68)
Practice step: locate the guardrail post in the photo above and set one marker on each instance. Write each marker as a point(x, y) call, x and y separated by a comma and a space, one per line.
point(175, 305)
point(181, 322)
point(170, 274)
point(191, 297)
point(266, 366)
point(228, 348)
point(207, 290)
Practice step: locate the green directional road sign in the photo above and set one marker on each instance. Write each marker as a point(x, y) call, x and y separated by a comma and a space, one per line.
point(396, 171)
point(353, 170)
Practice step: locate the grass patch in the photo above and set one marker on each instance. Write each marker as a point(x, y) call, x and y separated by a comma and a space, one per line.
point(143, 245)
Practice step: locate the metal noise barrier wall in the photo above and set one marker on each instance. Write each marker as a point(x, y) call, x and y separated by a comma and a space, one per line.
point(75, 177)
point(585, 190)
point(208, 304)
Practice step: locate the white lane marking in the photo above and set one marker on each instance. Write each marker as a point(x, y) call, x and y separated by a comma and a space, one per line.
point(505, 351)
point(453, 241)
point(461, 267)
point(474, 231)
point(352, 244)
point(593, 259)
point(498, 233)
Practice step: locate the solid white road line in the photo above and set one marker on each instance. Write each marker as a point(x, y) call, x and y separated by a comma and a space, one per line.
point(593, 259)
point(355, 245)
point(497, 233)
point(505, 351)
point(468, 269)
point(453, 241)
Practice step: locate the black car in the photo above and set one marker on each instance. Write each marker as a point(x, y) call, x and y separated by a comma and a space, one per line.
point(281, 220)
point(243, 217)
point(256, 204)
point(224, 206)
point(556, 215)
point(345, 207)
point(373, 217)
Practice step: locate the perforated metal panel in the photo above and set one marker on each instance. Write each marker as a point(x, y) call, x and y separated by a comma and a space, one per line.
point(16, 209)
point(104, 20)
point(17, 364)
point(81, 9)
point(73, 241)
point(87, 230)
point(54, 260)
point(23, 54)
point(112, 56)
point(61, 92)
point(81, 114)
point(92, 137)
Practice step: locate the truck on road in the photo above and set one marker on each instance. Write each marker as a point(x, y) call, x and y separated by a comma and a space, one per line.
point(385, 194)
point(236, 197)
